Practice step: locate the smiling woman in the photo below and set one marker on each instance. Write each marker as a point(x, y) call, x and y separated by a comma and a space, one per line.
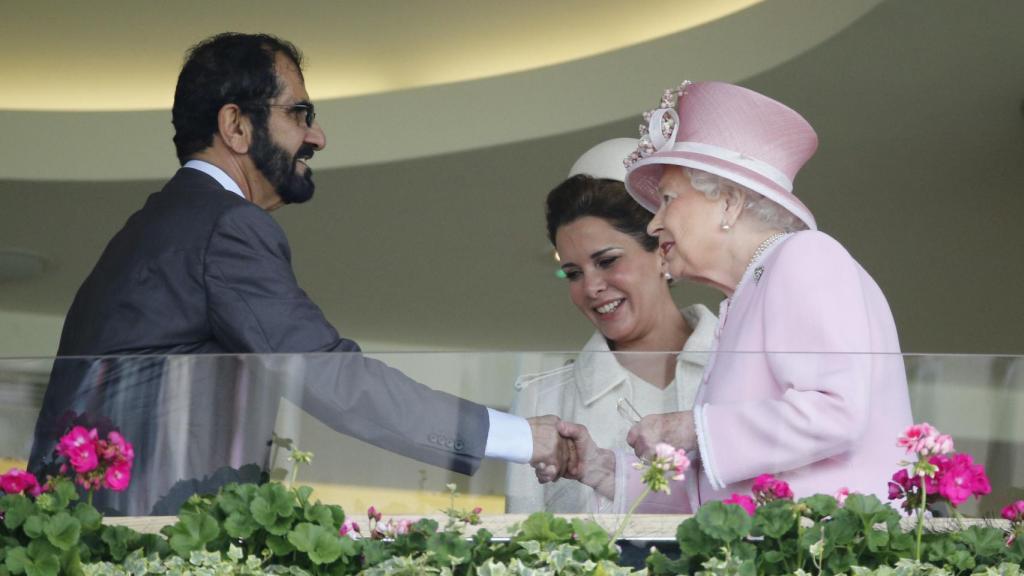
point(615, 279)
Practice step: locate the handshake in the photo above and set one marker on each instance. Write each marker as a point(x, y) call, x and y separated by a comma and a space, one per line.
point(563, 449)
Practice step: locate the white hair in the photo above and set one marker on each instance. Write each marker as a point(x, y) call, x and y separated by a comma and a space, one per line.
point(758, 208)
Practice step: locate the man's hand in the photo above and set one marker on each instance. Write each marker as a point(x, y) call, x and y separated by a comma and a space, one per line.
point(595, 465)
point(553, 455)
point(675, 428)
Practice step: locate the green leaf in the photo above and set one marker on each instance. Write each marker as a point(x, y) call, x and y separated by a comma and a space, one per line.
point(984, 540)
point(16, 507)
point(820, 505)
point(90, 519)
point(64, 492)
point(774, 557)
point(545, 527)
point(319, 514)
point(723, 522)
point(869, 509)
point(842, 529)
point(877, 539)
point(961, 560)
point(45, 559)
point(34, 525)
point(660, 565)
point(240, 524)
point(320, 544)
point(234, 499)
point(840, 560)
point(17, 560)
point(63, 530)
point(303, 536)
point(594, 539)
point(303, 493)
point(775, 519)
point(279, 545)
point(272, 499)
point(449, 548)
point(119, 540)
point(693, 542)
point(192, 532)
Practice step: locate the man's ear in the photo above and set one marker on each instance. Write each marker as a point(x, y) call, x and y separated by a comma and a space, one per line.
point(234, 128)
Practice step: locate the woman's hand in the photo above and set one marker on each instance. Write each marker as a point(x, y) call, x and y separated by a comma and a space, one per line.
point(595, 466)
point(675, 428)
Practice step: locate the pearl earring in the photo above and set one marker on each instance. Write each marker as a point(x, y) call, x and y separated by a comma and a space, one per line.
point(725, 226)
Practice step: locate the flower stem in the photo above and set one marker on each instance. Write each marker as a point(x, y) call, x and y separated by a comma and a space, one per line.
point(625, 520)
point(920, 519)
point(799, 543)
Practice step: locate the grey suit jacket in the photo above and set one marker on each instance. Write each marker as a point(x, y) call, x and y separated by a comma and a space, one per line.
point(200, 271)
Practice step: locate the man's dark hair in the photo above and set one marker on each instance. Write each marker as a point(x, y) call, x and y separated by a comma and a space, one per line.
point(228, 68)
point(583, 195)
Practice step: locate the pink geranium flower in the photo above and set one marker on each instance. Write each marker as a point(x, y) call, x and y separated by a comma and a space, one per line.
point(1014, 512)
point(118, 476)
point(17, 481)
point(767, 487)
point(843, 493)
point(925, 440)
point(743, 501)
point(373, 514)
point(79, 446)
point(899, 485)
point(349, 528)
point(958, 478)
point(97, 462)
point(119, 448)
point(672, 460)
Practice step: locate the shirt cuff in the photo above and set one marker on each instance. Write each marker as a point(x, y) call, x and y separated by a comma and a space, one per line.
point(704, 445)
point(508, 437)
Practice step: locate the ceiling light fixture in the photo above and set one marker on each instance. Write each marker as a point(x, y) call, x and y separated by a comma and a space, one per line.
point(16, 264)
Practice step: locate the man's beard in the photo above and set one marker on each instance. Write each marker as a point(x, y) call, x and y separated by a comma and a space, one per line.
point(279, 168)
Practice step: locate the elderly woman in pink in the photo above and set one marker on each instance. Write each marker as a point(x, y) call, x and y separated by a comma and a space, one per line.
point(806, 381)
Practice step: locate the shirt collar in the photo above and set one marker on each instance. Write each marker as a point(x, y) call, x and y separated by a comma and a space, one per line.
point(598, 372)
point(216, 173)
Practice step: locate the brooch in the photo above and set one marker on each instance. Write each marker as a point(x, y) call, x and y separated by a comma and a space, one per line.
point(757, 274)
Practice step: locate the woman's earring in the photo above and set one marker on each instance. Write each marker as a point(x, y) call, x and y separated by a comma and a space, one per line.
point(666, 276)
point(725, 225)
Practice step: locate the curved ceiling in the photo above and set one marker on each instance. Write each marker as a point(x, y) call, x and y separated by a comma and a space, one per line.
point(391, 84)
point(128, 59)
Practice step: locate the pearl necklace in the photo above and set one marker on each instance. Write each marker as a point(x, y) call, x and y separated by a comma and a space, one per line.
point(764, 246)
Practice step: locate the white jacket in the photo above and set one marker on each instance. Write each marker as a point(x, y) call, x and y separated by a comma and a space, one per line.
point(587, 391)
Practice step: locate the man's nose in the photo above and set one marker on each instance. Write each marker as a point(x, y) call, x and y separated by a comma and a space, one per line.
point(315, 136)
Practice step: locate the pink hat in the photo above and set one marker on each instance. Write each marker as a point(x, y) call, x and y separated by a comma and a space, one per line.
point(725, 130)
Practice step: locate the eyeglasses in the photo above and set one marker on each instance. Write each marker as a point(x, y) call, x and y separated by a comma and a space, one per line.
point(627, 411)
point(308, 109)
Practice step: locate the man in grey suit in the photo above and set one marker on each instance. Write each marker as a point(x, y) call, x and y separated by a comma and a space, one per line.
point(202, 270)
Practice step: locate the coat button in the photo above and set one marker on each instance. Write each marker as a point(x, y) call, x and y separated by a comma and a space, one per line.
point(448, 442)
point(459, 445)
point(432, 438)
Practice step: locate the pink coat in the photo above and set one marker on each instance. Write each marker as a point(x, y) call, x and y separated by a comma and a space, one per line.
point(807, 382)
